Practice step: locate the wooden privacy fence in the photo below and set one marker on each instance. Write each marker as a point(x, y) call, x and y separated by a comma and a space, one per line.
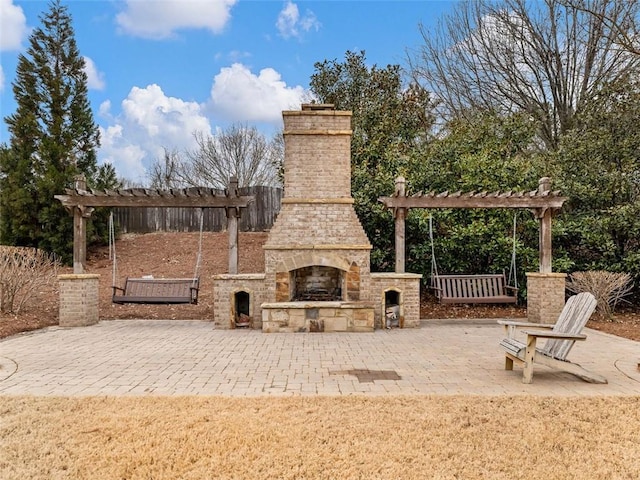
point(257, 216)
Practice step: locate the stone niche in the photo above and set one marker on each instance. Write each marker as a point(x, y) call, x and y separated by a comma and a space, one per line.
point(236, 297)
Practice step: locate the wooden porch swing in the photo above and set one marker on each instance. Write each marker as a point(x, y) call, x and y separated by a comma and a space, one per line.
point(477, 288)
point(149, 290)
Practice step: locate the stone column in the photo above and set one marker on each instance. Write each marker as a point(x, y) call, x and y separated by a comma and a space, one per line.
point(78, 299)
point(545, 296)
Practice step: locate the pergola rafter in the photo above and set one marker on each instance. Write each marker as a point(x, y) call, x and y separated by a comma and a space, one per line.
point(81, 202)
point(543, 203)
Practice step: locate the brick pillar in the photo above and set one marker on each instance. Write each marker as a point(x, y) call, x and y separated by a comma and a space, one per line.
point(545, 296)
point(78, 299)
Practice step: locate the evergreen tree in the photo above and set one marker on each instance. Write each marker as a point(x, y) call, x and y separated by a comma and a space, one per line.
point(53, 138)
point(391, 122)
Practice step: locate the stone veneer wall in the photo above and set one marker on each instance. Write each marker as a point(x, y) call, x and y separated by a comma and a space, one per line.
point(408, 285)
point(278, 264)
point(317, 135)
point(310, 222)
point(225, 286)
point(78, 300)
point(545, 296)
point(294, 317)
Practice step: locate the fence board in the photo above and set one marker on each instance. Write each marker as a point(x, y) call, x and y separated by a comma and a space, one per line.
point(258, 216)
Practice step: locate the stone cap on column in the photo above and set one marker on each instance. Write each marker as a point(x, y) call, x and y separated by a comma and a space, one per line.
point(78, 276)
point(546, 275)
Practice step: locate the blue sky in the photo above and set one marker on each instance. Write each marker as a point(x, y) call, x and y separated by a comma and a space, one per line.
point(161, 69)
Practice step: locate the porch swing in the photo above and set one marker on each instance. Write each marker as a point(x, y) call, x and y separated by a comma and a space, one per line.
point(480, 288)
point(149, 290)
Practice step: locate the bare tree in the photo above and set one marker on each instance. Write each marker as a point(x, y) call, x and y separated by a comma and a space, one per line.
point(624, 29)
point(239, 151)
point(165, 172)
point(547, 58)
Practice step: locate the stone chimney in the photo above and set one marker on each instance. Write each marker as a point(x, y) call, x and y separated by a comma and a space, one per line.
point(317, 224)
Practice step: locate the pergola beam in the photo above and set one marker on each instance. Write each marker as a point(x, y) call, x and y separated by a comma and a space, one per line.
point(80, 199)
point(81, 202)
point(483, 200)
point(542, 202)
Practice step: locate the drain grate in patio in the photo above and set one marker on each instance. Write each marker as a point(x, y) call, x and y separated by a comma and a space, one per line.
point(369, 376)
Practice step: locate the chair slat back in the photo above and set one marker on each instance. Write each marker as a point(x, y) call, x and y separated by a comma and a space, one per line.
point(572, 320)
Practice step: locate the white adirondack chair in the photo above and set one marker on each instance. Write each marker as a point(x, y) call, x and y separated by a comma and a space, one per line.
point(560, 338)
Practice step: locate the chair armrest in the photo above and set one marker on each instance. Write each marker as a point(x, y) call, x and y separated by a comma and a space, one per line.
point(554, 335)
point(513, 326)
point(513, 289)
point(117, 289)
point(518, 324)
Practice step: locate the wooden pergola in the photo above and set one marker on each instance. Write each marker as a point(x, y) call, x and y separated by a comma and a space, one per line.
point(543, 203)
point(81, 202)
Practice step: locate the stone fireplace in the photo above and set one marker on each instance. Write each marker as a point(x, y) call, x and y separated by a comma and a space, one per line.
point(317, 267)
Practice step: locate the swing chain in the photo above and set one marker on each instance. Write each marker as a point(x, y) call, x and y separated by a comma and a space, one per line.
point(513, 276)
point(199, 254)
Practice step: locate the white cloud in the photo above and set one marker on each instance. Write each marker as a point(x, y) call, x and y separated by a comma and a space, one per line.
point(13, 26)
point(127, 158)
point(95, 79)
point(150, 121)
point(239, 95)
point(160, 19)
point(105, 109)
point(290, 24)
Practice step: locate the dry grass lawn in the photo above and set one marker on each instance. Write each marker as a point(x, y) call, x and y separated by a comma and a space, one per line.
point(319, 437)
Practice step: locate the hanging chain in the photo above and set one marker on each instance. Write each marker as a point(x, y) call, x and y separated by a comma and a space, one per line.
point(434, 264)
point(199, 255)
point(513, 274)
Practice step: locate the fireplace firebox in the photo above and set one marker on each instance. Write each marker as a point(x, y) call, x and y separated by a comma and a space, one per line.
point(316, 283)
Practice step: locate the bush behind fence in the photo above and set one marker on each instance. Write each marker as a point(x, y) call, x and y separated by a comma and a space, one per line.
point(258, 216)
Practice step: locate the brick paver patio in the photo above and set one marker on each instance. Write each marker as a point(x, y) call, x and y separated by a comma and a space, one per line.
point(162, 357)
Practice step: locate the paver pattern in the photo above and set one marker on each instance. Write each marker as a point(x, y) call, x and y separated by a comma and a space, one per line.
point(168, 357)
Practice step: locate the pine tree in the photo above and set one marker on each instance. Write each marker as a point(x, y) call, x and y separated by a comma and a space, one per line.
point(53, 137)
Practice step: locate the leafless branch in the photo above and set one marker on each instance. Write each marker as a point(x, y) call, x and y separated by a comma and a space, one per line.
point(239, 151)
point(609, 288)
point(24, 272)
point(547, 58)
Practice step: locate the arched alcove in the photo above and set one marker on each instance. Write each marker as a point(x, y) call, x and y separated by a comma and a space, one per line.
point(392, 312)
point(242, 309)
